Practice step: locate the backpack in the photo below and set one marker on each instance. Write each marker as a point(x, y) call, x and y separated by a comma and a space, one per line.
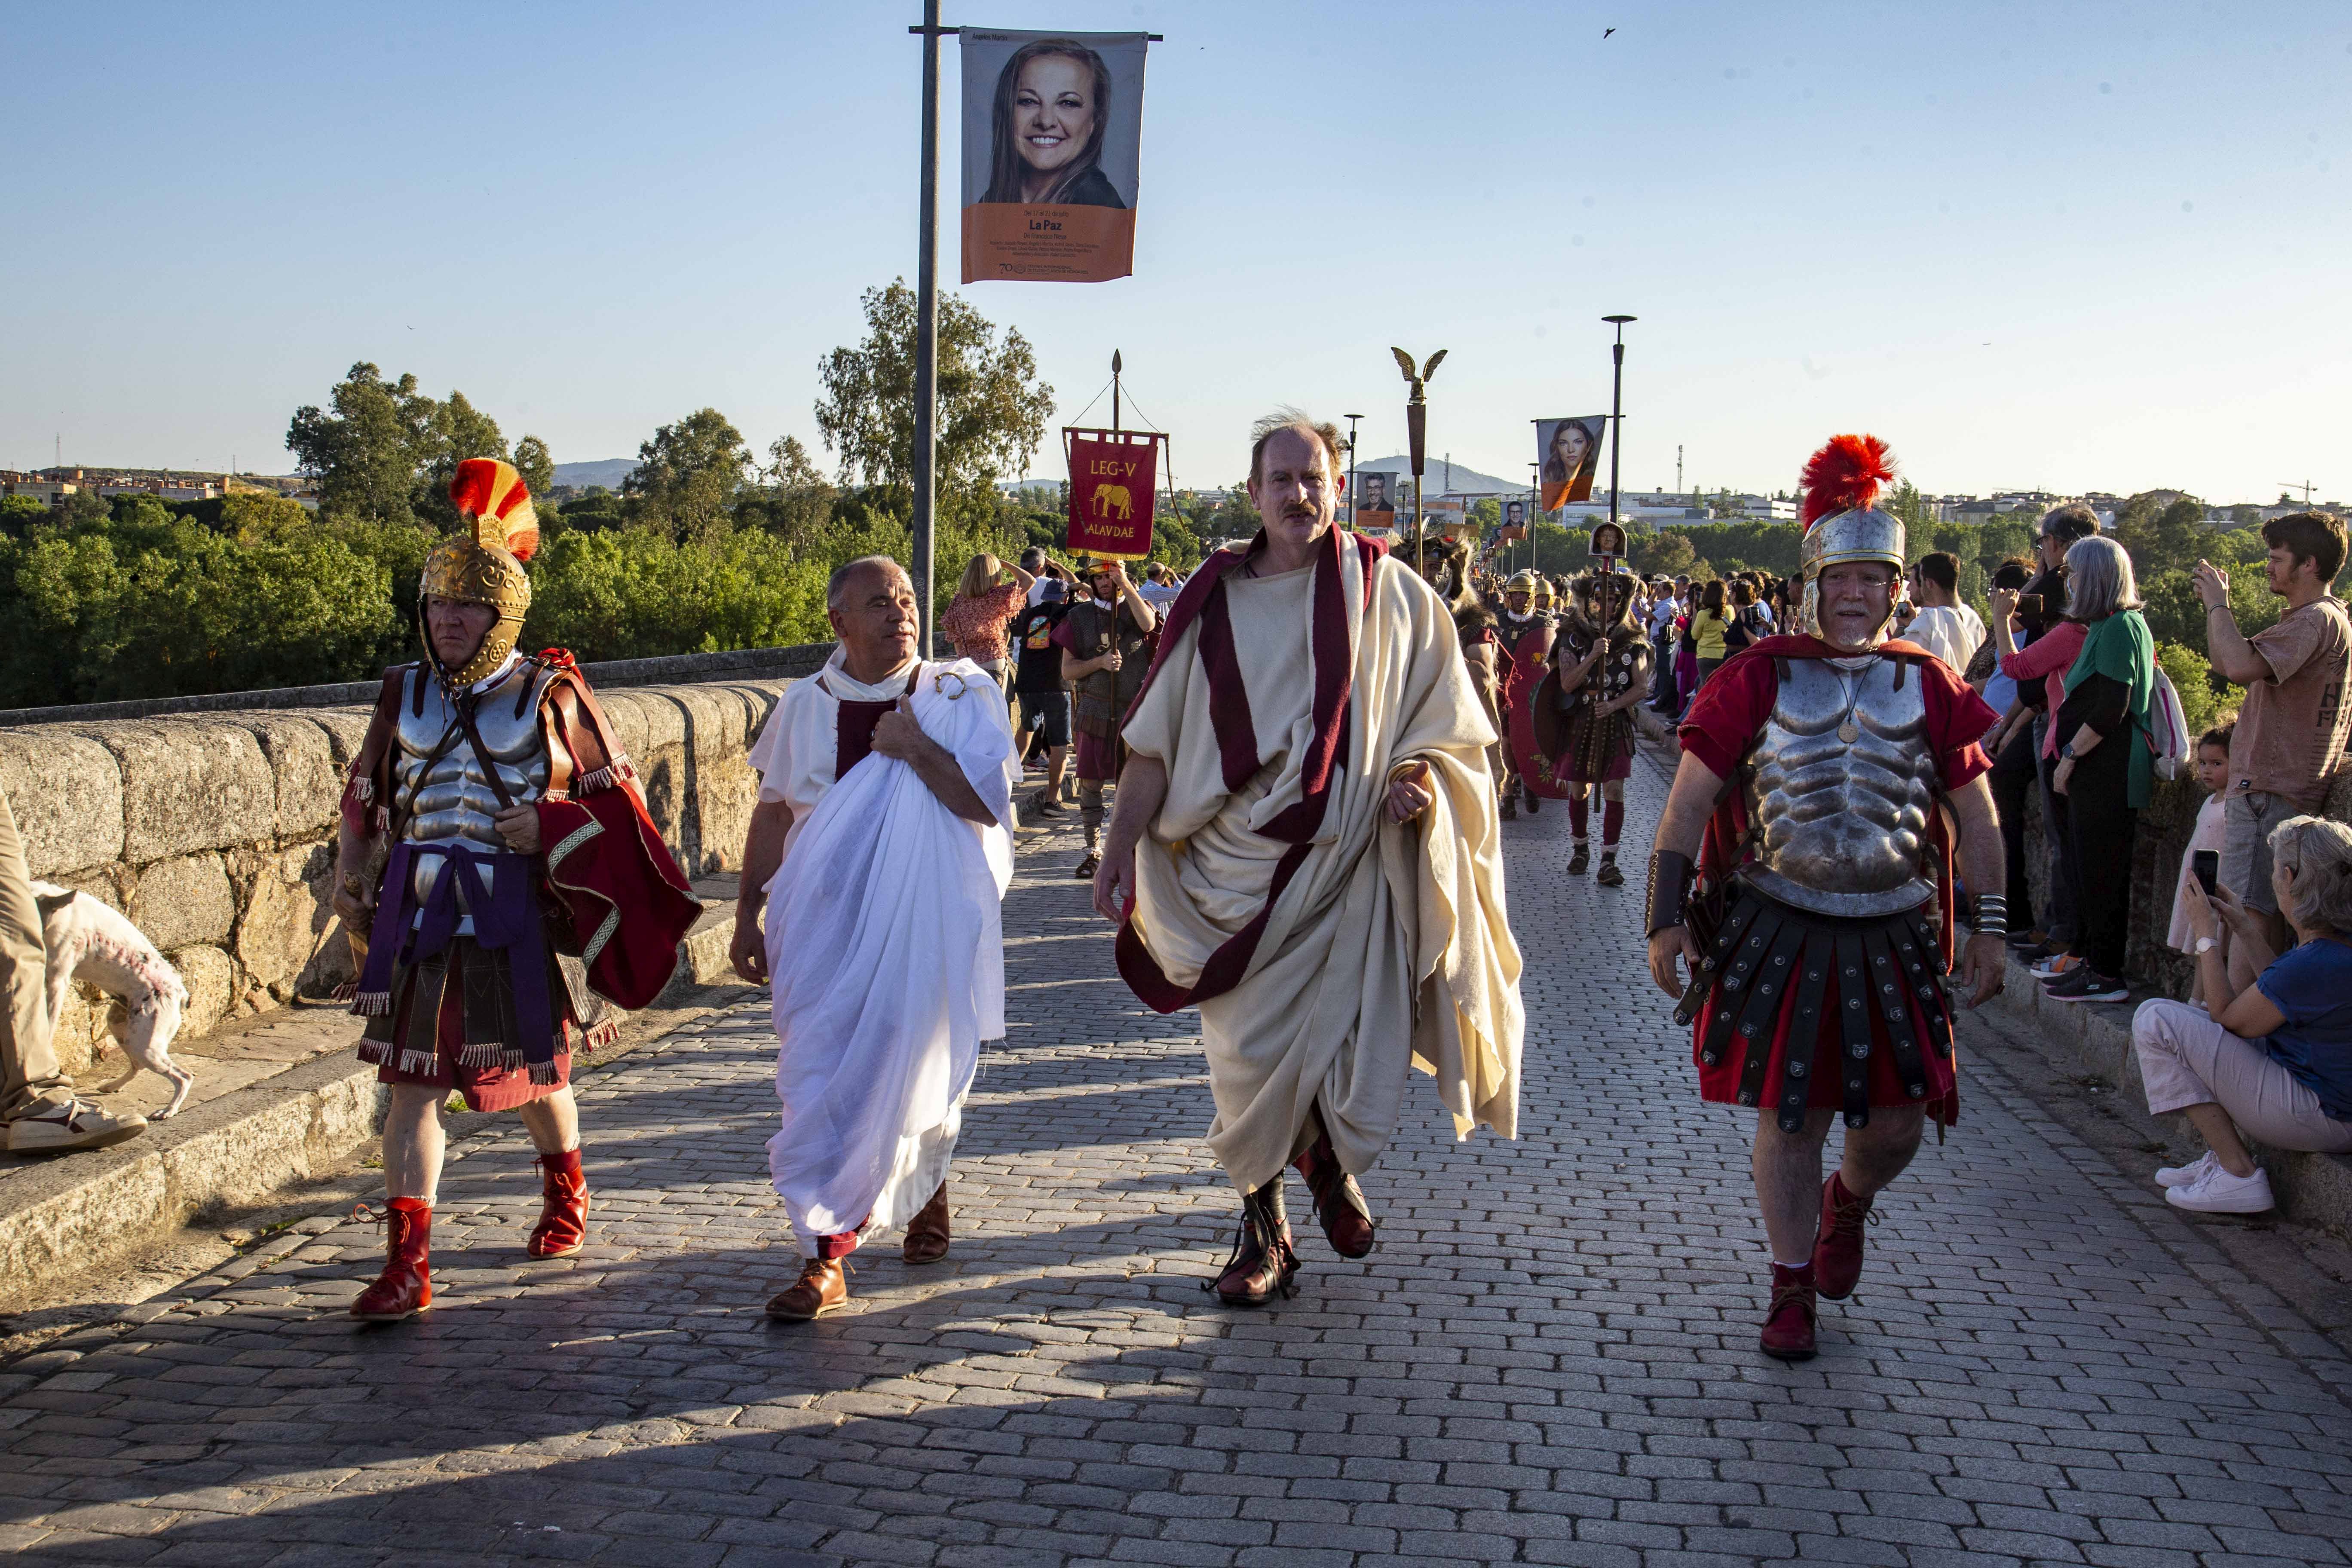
point(2168, 729)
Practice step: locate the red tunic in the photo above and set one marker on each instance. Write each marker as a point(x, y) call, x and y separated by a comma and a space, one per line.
point(1723, 723)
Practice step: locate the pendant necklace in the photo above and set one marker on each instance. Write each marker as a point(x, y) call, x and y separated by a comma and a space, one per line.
point(1848, 730)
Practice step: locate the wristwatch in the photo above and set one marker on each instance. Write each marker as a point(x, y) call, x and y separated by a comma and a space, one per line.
point(2206, 944)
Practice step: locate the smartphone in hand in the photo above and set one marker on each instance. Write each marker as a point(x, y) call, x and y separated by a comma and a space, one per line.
point(2205, 865)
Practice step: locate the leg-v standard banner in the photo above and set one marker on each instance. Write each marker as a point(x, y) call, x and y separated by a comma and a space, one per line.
point(1053, 129)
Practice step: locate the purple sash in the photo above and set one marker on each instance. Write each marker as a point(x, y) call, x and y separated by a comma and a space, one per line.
point(506, 922)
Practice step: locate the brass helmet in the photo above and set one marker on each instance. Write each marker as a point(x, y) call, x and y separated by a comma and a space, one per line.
point(1841, 518)
point(483, 564)
point(1525, 582)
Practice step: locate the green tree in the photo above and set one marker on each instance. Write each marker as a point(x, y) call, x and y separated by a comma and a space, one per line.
point(533, 461)
point(386, 451)
point(1666, 554)
point(18, 513)
point(991, 407)
point(687, 475)
point(793, 499)
point(2162, 536)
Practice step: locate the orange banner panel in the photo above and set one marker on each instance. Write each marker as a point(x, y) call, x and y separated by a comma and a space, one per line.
point(1047, 244)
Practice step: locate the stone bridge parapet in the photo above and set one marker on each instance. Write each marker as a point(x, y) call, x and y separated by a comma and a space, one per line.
point(214, 829)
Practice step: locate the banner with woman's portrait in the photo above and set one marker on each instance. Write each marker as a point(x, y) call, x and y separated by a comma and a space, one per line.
point(1570, 452)
point(1053, 130)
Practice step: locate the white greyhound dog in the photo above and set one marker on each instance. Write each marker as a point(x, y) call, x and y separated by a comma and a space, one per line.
point(89, 940)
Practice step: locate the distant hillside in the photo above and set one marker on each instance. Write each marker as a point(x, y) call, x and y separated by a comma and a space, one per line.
point(609, 472)
point(1436, 479)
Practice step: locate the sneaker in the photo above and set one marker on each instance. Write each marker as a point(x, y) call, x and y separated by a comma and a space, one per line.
point(2057, 966)
point(76, 1124)
point(2188, 1174)
point(2022, 939)
point(1041, 805)
point(2218, 1191)
point(2082, 986)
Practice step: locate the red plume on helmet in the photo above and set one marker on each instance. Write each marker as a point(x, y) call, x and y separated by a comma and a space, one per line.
point(493, 496)
point(1844, 476)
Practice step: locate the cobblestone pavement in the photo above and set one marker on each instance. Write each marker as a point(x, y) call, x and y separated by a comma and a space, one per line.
point(1550, 1359)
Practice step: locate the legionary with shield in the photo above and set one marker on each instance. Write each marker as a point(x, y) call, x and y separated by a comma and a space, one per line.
point(1525, 633)
point(523, 887)
point(1581, 714)
point(1804, 869)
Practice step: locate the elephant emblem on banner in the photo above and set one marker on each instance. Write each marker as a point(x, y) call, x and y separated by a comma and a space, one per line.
point(1112, 501)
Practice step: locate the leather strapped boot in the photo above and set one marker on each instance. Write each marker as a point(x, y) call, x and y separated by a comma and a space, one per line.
point(563, 1213)
point(1837, 1250)
point(1339, 1205)
point(1581, 861)
point(1789, 1325)
point(822, 1287)
point(926, 1233)
point(1264, 1261)
point(405, 1287)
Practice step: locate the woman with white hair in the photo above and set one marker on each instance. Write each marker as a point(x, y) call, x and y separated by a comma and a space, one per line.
point(2275, 1059)
point(2105, 767)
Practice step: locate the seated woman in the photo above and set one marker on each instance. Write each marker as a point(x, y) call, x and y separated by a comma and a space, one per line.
point(2275, 1057)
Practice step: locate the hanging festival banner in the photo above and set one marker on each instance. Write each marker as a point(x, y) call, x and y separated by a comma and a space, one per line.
point(1053, 131)
point(1114, 475)
point(1515, 521)
point(1569, 451)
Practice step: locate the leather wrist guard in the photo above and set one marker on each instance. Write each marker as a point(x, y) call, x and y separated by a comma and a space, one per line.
point(1670, 884)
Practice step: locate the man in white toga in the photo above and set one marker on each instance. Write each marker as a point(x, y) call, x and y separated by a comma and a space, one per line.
point(878, 852)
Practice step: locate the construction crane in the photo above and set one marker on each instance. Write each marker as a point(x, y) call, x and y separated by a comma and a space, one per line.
point(2306, 487)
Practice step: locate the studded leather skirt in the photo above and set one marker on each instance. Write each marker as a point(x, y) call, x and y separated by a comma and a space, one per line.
point(1812, 1012)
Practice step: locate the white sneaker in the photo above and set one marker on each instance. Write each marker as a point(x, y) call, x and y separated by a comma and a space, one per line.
point(2218, 1191)
point(2186, 1175)
point(76, 1124)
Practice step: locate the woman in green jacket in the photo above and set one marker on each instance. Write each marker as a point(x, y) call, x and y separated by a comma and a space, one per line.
point(2105, 767)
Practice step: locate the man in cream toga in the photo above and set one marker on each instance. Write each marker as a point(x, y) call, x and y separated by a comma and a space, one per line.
point(1305, 848)
point(879, 851)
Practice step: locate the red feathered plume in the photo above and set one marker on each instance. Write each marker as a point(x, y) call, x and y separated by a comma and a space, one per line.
point(1844, 476)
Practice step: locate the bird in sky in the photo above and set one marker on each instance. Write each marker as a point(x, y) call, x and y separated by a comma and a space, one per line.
point(1606, 31)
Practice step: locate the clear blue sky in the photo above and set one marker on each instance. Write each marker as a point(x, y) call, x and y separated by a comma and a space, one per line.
point(2079, 246)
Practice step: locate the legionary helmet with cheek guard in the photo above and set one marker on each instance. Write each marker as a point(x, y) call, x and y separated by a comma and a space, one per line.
point(1841, 517)
point(483, 564)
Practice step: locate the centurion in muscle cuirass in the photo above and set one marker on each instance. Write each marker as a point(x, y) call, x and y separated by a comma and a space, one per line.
point(1840, 785)
point(1829, 811)
point(441, 787)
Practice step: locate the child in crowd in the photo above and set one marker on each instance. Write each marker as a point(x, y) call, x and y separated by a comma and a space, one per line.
point(2212, 776)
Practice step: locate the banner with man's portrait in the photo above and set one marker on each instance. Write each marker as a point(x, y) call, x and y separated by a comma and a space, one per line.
point(1569, 451)
point(1514, 524)
point(1375, 499)
point(1053, 131)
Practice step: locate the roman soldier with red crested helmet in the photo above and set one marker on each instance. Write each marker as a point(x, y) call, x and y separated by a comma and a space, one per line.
point(1804, 870)
point(496, 851)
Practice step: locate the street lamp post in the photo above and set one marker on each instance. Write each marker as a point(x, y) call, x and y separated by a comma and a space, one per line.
point(1351, 419)
point(1617, 413)
point(927, 334)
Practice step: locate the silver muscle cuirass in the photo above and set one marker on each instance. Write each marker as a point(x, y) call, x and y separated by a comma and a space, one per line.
point(1839, 827)
point(451, 798)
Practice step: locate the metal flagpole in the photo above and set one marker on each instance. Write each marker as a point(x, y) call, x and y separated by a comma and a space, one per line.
point(1617, 413)
point(927, 333)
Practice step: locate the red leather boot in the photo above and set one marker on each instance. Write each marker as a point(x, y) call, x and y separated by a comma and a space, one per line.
point(1339, 1205)
point(1837, 1249)
point(405, 1287)
point(1789, 1325)
point(563, 1216)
